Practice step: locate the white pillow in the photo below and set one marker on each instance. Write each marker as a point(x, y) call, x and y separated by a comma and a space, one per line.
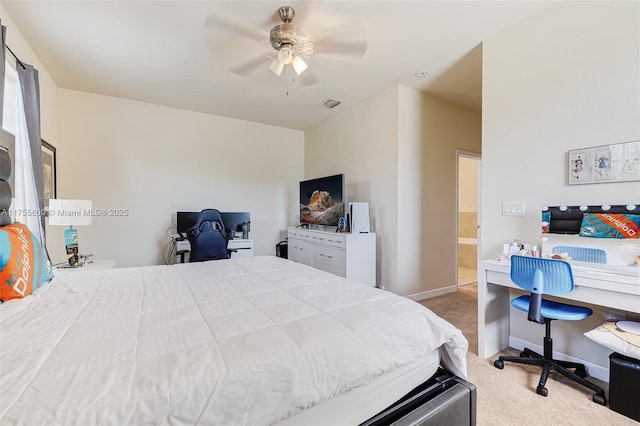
point(620, 336)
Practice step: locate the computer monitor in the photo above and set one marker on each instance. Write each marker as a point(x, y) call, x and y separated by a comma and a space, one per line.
point(234, 221)
point(185, 221)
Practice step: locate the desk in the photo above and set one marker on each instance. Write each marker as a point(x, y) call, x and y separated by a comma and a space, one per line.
point(239, 248)
point(617, 291)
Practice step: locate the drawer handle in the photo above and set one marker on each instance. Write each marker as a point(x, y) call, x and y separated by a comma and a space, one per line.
point(335, 241)
point(326, 255)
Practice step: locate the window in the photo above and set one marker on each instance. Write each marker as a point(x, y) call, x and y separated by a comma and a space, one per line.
point(11, 88)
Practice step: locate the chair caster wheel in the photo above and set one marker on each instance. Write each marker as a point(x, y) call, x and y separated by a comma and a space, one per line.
point(498, 364)
point(581, 371)
point(599, 399)
point(541, 390)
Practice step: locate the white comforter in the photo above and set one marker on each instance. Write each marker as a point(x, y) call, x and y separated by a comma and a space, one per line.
point(243, 341)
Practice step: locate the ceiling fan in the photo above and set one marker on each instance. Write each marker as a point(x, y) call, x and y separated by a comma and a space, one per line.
point(292, 47)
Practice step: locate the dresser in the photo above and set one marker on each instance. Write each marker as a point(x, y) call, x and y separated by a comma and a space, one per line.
point(351, 256)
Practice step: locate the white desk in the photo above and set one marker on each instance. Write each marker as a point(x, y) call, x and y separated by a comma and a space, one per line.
point(617, 291)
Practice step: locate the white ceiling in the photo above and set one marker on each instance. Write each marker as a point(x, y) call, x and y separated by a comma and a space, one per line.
point(170, 52)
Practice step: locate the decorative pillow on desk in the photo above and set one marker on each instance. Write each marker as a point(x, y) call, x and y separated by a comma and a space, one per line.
point(610, 225)
point(23, 262)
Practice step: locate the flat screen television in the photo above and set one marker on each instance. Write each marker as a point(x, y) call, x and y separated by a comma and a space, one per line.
point(322, 200)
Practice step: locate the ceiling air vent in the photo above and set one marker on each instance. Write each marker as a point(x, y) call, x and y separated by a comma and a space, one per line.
point(331, 103)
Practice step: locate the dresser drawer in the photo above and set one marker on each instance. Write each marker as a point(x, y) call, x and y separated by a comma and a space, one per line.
point(301, 252)
point(330, 259)
point(337, 240)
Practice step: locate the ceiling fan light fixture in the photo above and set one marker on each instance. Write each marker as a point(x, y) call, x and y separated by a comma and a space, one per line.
point(276, 66)
point(285, 55)
point(299, 65)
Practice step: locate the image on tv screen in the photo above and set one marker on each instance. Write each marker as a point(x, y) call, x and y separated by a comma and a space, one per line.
point(321, 200)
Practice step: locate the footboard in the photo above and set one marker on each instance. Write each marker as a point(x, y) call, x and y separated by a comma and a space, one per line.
point(444, 399)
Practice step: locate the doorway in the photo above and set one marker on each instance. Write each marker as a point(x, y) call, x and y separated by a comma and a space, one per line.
point(468, 219)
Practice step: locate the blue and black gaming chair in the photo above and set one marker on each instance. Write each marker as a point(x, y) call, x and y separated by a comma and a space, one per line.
point(547, 276)
point(208, 237)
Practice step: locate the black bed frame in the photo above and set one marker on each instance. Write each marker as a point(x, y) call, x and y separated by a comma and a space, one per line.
point(444, 399)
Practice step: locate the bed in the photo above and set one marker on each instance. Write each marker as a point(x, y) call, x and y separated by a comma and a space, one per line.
point(254, 341)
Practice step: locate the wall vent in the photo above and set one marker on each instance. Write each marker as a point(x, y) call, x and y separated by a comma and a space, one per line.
point(331, 103)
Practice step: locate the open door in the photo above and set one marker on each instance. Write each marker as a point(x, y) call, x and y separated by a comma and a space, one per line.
point(468, 217)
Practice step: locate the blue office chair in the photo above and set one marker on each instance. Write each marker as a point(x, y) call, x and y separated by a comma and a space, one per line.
point(208, 237)
point(547, 276)
point(584, 254)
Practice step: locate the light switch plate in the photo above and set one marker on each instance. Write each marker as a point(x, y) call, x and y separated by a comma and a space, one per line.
point(513, 208)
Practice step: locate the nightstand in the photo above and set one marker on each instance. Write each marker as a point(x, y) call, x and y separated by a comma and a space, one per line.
point(95, 265)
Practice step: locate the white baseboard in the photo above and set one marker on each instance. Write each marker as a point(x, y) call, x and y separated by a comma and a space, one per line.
point(432, 293)
point(594, 370)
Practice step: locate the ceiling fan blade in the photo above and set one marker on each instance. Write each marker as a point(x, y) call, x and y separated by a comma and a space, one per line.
point(250, 66)
point(307, 78)
point(356, 49)
point(220, 23)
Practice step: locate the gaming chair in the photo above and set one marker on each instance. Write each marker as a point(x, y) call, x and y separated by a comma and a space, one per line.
point(208, 237)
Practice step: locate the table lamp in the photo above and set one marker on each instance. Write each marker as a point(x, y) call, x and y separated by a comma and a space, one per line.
point(70, 213)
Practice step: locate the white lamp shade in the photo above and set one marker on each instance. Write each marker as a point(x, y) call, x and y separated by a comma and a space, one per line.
point(276, 66)
point(299, 65)
point(70, 212)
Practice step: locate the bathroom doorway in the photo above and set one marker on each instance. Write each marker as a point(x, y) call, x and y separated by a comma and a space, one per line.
point(468, 217)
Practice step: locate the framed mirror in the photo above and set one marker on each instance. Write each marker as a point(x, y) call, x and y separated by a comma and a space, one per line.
point(598, 237)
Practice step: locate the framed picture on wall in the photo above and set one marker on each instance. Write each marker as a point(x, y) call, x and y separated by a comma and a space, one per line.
point(49, 171)
point(607, 163)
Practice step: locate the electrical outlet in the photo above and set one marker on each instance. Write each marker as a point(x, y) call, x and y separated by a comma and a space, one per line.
point(616, 316)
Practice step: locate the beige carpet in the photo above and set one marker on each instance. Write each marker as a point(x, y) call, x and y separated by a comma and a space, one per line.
point(508, 397)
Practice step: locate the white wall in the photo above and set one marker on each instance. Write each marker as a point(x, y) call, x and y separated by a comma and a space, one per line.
point(362, 143)
point(446, 128)
point(398, 151)
point(155, 160)
point(564, 79)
